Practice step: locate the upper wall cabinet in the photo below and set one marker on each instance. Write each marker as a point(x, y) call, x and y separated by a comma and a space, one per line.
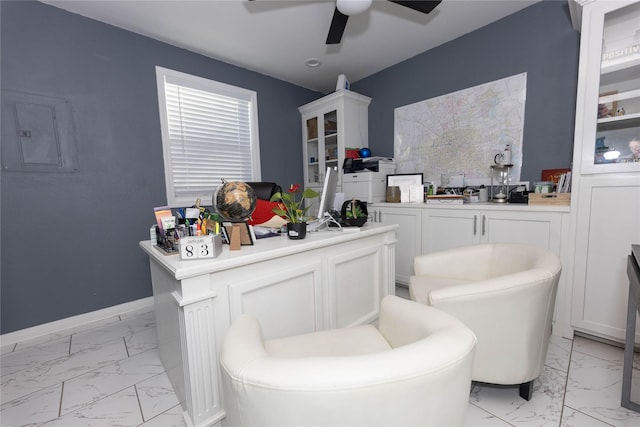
point(609, 114)
point(329, 125)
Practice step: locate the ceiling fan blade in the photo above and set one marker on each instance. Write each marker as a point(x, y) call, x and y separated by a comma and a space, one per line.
point(420, 6)
point(338, 24)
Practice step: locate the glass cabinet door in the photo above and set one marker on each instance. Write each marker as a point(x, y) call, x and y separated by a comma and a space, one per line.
point(330, 141)
point(313, 160)
point(617, 133)
point(321, 146)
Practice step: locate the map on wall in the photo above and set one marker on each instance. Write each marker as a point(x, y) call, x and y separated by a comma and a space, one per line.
point(461, 132)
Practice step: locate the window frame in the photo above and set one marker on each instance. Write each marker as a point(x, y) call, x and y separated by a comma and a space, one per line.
point(164, 75)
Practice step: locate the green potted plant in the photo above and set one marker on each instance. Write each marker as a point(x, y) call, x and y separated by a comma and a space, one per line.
point(291, 207)
point(354, 213)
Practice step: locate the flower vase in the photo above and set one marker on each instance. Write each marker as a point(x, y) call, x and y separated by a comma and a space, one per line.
point(297, 230)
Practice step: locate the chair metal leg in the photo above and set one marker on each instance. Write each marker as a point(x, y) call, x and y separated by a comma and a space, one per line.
point(526, 390)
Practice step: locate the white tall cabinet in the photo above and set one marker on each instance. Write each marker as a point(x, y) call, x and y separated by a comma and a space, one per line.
point(329, 125)
point(605, 211)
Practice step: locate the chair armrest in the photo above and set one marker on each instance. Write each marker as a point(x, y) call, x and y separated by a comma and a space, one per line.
point(466, 263)
point(402, 321)
point(489, 289)
point(436, 352)
point(503, 307)
point(518, 298)
point(243, 344)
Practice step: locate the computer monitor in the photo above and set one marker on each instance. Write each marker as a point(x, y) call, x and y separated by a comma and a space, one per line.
point(328, 192)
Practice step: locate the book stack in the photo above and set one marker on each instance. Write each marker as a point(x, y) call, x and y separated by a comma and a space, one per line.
point(564, 183)
point(561, 179)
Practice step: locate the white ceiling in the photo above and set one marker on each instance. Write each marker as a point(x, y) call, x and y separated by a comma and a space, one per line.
point(276, 37)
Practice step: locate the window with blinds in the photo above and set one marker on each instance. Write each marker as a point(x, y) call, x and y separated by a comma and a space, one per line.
point(209, 133)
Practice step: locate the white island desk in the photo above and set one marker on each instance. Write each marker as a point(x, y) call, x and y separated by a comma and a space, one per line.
point(330, 279)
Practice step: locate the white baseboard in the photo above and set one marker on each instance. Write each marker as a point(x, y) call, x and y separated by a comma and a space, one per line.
point(59, 326)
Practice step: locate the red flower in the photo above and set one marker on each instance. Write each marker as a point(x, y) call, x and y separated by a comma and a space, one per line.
point(294, 188)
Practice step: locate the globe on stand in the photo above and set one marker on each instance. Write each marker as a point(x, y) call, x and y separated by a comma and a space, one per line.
point(235, 201)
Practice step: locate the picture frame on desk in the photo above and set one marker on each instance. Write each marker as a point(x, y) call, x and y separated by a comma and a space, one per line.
point(246, 238)
point(396, 180)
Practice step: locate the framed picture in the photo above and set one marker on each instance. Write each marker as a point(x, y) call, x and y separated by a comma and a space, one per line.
point(404, 179)
point(245, 233)
point(607, 104)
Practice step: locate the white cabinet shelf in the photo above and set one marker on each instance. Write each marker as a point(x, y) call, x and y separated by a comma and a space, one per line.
point(605, 127)
point(624, 69)
point(618, 122)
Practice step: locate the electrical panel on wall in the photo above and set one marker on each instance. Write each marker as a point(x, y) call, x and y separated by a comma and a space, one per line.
point(38, 134)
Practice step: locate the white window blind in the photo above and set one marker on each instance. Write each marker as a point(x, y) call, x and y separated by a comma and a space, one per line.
point(209, 134)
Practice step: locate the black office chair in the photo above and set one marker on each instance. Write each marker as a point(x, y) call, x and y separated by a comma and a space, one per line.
point(264, 190)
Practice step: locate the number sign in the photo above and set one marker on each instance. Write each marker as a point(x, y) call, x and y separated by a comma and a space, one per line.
point(197, 247)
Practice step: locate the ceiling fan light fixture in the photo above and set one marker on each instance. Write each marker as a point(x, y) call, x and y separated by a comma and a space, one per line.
point(352, 7)
point(313, 62)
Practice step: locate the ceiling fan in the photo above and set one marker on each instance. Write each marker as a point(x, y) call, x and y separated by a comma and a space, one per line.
point(346, 8)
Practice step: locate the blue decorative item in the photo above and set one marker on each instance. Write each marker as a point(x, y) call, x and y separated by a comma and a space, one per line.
point(365, 152)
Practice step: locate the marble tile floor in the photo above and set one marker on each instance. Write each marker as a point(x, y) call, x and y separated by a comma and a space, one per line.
point(109, 374)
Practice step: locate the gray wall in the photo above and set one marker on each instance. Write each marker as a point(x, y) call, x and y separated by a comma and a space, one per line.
point(539, 40)
point(89, 223)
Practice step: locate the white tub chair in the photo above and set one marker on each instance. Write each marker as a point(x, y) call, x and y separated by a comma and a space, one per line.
point(505, 293)
point(413, 369)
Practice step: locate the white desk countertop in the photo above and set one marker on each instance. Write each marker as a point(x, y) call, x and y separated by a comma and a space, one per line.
point(262, 250)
